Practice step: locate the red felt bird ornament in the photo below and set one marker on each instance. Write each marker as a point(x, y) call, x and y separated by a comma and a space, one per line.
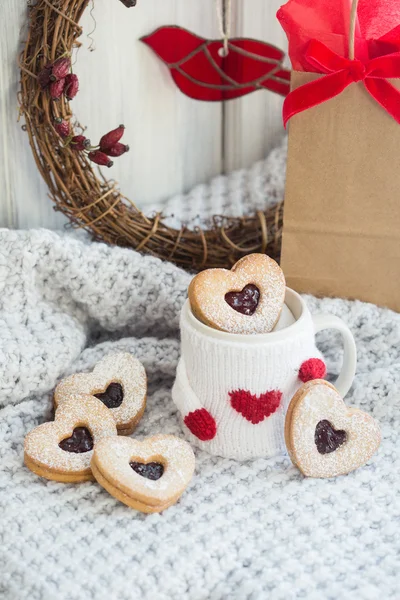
point(213, 71)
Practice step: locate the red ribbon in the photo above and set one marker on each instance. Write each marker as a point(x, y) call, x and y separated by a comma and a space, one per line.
point(339, 74)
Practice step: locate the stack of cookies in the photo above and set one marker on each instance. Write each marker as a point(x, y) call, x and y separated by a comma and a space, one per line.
point(83, 442)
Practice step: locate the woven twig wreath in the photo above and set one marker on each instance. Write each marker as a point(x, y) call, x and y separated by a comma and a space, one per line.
point(95, 204)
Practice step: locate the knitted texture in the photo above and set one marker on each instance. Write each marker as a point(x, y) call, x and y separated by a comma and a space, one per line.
point(201, 424)
point(241, 192)
point(246, 386)
point(255, 408)
point(244, 531)
point(313, 368)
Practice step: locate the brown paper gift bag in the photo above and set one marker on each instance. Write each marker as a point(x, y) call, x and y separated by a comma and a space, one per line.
point(341, 234)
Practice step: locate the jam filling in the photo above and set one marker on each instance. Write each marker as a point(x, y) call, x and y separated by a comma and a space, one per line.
point(80, 441)
point(246, 301)
point(327, 439)
point(152, 470)
point(113, 396)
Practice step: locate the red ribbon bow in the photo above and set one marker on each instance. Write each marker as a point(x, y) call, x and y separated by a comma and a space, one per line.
point(339, 73)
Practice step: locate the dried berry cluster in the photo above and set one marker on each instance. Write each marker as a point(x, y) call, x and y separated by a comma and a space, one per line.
point(109, 144)
point(57, 77)
point(59, 80)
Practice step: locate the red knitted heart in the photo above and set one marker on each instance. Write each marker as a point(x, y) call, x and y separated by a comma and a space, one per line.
point(255, 408)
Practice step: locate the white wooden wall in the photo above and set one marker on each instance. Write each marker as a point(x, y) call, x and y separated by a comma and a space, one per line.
point(175, 142)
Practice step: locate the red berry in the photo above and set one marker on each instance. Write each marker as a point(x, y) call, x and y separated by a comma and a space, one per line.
point(44, 77)
point(71, 86)
point(62, 127)
point(117, 150)
point(57, 89)
point(80, 142)
point(60, 69)
point(100, 158)
point(111, 138)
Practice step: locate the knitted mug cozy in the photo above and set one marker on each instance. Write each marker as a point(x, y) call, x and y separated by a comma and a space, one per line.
point(233, 390)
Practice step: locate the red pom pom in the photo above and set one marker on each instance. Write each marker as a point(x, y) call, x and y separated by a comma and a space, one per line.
point(201, 424)
point(313, 368)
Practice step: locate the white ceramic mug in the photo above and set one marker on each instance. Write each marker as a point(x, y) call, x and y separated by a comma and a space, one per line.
point(234, 382)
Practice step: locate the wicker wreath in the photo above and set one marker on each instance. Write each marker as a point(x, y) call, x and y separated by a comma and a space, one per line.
point(95, 204)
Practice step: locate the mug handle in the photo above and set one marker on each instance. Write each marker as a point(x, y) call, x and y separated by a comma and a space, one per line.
point(346, 377)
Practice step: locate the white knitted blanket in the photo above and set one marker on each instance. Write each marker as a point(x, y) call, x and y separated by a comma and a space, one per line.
point(256, 530)
point(242, 192)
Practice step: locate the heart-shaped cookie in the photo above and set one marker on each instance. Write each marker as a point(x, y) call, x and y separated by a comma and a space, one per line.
point(62, 449)
point(148, 476)
point(324, 438)
point(247, 299)
point(119, 381)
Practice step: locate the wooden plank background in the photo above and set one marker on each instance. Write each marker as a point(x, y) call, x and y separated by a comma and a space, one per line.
point(175, 142)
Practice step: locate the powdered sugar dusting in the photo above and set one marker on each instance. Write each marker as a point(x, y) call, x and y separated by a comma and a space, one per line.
point(207, 295)
point(322, 402)
point(122, 368)
point(79, 410)
point(112, 458)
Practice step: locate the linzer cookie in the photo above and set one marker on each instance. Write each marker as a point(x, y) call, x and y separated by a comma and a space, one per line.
point(119, 381)
point(248, 299)
point(324, 438)
point(62, 449)
point(149, 476)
